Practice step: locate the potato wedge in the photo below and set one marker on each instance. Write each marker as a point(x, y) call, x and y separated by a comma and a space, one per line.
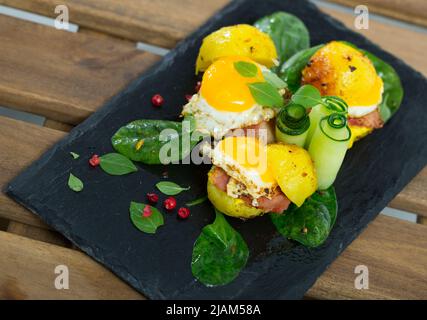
point(230, 206)
point(293, 169)
point(238, 40)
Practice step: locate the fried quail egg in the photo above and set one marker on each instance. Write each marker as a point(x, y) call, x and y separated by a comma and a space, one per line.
point(225, 101)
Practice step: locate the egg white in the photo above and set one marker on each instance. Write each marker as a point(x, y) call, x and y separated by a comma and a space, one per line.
point(251, 179)
point(217, 123)
point(360, 111)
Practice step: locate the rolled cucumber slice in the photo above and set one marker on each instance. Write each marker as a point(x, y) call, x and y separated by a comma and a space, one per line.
point(328, 148)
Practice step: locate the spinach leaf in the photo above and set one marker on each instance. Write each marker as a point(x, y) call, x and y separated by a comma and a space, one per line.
point(140, 140)
point(393, 90)
point(170, 188)
point(219, 253)
point(145, 224)
point(116, 164)
point(311, 223)
point(291, 70)
point(196, 201)
point(289, 33)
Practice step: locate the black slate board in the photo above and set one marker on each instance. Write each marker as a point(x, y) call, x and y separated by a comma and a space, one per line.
point(97, 219)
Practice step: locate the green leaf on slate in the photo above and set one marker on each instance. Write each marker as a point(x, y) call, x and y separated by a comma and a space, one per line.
point(145, 224)
point(75, 183)
point(170, 188)
point(307, 96)
point(311, 223)
point(266, 95)
point(74, 155)
point(246, 69)
point(219, 253)
point(116, 164)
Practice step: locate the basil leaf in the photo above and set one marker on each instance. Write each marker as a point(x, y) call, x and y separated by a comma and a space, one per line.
point(307, 96)
point(74, 155)
point(197, 201)
point(127, 140)
point(145, 224)
point(75, 183)
point(291, 70)
point(219, 253)
point(289, 33)
point(274, 80)
point(266, 95)
point(311, 223)
point(246, 69)
point(393, 90)
point(170, 188)
point(116, 164)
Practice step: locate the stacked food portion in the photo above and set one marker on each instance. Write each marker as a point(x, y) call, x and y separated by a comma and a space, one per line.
point(281, 116)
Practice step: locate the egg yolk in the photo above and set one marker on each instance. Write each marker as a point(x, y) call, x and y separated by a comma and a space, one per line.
point(225, 89)
point(249, 153)
point(338, 69)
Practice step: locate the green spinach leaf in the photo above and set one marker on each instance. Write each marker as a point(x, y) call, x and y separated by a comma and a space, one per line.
point(311, 223)
point(145, 224)
point(140, 140)
point(393, 90)
point(196, 201)
point(289, 33)
point(291, 70)
point(219, 253)
point(116, 164)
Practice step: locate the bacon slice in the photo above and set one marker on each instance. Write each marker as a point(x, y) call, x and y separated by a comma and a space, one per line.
point(277, 204)
point(220, 178)
point(268, 126)
point(371, 120)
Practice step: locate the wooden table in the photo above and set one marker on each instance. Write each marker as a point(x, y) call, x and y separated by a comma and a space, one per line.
point(66, 76)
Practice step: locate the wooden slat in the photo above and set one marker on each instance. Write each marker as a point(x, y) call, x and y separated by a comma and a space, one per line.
point(21, 143)
point(36, 233)
point(160, 22)
point(61, 75)
point(413, 11)
point(394, 251)
point(27, 272)
point(52, 124)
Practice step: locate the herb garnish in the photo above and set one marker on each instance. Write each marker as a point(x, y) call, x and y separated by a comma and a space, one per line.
point(116, 164)
point(246, 69)
point(147, 224)
point(75, 183)
point(197, 201)
point(307, 96)
point(170, 188)
point(266, 95)
point(74, 155)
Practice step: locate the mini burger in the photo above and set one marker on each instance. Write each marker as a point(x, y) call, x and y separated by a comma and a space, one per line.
point(249, 178)
point(338, 69)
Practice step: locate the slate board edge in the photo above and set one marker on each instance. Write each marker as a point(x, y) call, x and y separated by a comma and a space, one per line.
point(105, 110)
